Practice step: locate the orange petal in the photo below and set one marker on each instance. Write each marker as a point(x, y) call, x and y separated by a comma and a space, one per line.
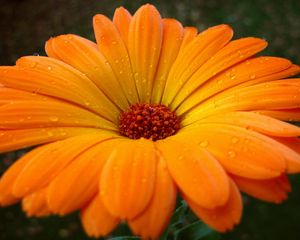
point(256, 122)
point(128, 177)
point(144, 45)
point(114, 50)
point(280, 94)
point(291, 146)
point(152, 222)
point(37, 114)
point(240, 151)
point(233, 53)
point(222, 218)
point(75, 185)
point(271, 190)
point(89, 61)
point(196, 172)
point(291, 115)
point(292, 70)
point(96, 220)
point(190, 33)
point(252, 69)
point(172, 38)
point(7, 180)
point(51, 160)
point(9, 95)
point(54, 78)
point(35, 204)
point(202, 48)
point(122, 20)
point(16, 139)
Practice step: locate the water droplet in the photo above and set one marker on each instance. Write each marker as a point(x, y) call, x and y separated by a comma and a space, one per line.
point(252, 76)
point(33, 64)
point(114, 42)
point(180, 157)
point(203, 144)
point(233, 77)
point(53, 119)
point(248, 62)
point(35, 54)
point(49, 68)
point(50, 134)
point(220, 81)
point(231, 154)
point(234, 140)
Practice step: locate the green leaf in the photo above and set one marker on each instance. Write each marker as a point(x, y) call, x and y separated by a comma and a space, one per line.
point(125, 238)
point(196, 231)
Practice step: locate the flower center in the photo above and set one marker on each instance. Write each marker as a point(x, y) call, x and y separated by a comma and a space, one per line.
point(151, 121)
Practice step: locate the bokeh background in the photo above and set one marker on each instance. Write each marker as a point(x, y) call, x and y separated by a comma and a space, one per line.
point(26, 24)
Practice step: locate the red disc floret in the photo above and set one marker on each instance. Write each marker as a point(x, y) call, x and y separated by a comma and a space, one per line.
point(151, 121)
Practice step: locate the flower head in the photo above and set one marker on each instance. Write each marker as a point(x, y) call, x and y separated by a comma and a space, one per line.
point(151, 110)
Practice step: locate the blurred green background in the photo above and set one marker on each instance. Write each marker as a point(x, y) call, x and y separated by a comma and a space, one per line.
point(26, 24)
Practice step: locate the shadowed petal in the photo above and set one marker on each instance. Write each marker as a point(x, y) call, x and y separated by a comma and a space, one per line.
point(128, 178)
point(96, 220)
point(196, 172)
point(152, 222)
point(222, 218)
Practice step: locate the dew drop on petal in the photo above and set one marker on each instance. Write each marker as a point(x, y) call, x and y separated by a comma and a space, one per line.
point(53, 119)
point(203, 144)
point(234, 140)
point(50, 134)
point(252, 76)
point(231, 154)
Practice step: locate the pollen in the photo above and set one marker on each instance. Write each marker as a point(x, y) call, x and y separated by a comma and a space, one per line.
point(151, 121)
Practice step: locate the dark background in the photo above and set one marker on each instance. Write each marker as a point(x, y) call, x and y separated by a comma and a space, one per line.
point(26, 24)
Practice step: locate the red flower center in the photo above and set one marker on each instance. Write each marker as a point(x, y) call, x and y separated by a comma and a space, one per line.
point(151, 121)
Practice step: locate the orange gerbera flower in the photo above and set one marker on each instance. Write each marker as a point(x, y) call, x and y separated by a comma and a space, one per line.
point(152, 109)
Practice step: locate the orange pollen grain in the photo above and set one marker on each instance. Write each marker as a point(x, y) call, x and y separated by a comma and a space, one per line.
point(151, 121)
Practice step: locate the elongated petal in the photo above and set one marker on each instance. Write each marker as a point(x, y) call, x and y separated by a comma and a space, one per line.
point(96, 220)
point(257, 122)
point(88, 60)
point(128, 177)
point(233, 53)
point(196, 172)
point(291, 115)
point(190, 33)
point(78, 183)
point(292, 70)
point(122, 20)
point(35, 204)
point(144, 45)
point(271, 190)
point(9, 95)
point(203, 47)
point(172, 39)
point(240, 151)
point(152, 222)
point(291, 148)
point(8, 178)
point(54, 78)
point(222, 218)
point(281, 94)
point(50, 161)
point(113, 48)
point(255, 68)
point(16, 139)
point(39, 114)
